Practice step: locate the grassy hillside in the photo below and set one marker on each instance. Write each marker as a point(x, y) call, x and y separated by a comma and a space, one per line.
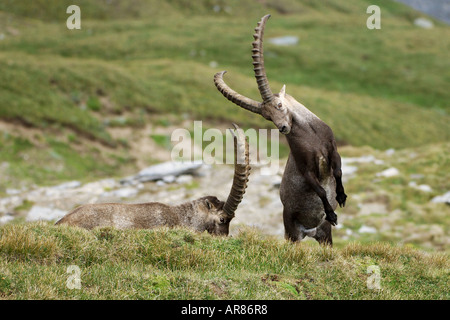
point(179, 264)
point(145, 63)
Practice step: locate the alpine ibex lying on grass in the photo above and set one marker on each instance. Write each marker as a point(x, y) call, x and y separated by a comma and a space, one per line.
point(312, 180)
point(207, 213)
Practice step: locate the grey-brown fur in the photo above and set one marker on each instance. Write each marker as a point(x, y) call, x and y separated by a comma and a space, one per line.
point(311, 187)
point(200, 215)
point(204, 214)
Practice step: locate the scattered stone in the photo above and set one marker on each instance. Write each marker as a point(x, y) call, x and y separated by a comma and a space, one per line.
point(184, 178)
point(276, 181)
point(12, 192)
point(390, 152)
point(169, 179)
point(122, 193)
point(6, 218)
point(391, 172)
point(159, 171)
point(348, 170)
point(68, 185)
point(421, 187)
point(363, 159)
point(366, 229)
point(98, 187)
point(445, 198)
point(423, 23)
point(8, 204)
point(372, 207)
point(44, 213)
point(160, 183)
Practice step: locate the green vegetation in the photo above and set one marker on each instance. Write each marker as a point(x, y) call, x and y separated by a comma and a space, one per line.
point(75, 103)
point(130, 63)
point(396, 209)
point(180, 264)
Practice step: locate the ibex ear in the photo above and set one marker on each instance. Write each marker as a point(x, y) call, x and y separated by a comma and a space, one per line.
point(282, 92)
point(208, 204)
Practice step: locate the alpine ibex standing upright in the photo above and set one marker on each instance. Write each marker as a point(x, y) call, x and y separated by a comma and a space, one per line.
point(312, 180)
point(207, 213)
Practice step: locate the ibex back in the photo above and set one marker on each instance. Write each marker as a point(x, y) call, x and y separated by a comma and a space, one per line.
point(204, 214)
point(312, 180)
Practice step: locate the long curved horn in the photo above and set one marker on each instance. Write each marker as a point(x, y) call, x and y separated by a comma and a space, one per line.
point(235, 97)
point(241, 172)
point(258, 61)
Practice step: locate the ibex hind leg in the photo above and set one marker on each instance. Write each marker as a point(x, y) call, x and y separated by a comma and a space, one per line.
point(323, 234)
point(293, 231)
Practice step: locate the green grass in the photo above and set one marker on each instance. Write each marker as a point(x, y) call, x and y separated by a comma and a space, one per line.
point(131, 64)
point(404, 213)
point(180, 264)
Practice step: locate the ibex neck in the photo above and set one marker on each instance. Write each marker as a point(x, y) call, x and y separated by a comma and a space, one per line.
point(190, 215)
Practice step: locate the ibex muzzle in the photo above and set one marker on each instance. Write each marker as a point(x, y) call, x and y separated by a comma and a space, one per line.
point(312, 181)
point(203, 214)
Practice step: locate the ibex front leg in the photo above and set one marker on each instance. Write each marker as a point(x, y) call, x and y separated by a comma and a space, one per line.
point(314, 183)
point(337, 173)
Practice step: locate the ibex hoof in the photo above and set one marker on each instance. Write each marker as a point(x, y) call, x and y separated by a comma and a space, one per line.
point(340, 198)
point(332, 218)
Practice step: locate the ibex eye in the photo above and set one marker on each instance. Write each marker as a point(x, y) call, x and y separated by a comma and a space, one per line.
point(279, 105)
point(222, 220)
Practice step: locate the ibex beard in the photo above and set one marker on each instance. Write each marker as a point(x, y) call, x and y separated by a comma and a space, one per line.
point(204, 214)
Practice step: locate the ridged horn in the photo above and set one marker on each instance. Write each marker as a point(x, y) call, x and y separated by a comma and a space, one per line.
point(241, 172)
point(258, 61)
point(235, 97)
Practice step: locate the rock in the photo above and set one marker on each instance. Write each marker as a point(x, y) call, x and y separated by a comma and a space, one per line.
point(276, 181)
point(184, 178)
point(423, 23)
point(284, 41)
point(366, 229)
point(348, 170)
point(160, 183)
point(6, 218)
point(422, 187)
point(121, 193)
point(171, 168)
point(8, 204)
point(44, 213)
point(445, 198)
point(389, 152)
point(169, 179)
point(13, 192)
point(363, 159)
point(372, 207)
point(391, 172)
point(98, 187)
point(68, 185)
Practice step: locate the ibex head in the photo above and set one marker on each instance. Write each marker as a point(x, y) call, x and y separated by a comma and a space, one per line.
point(215, 214)
point(274, 107)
